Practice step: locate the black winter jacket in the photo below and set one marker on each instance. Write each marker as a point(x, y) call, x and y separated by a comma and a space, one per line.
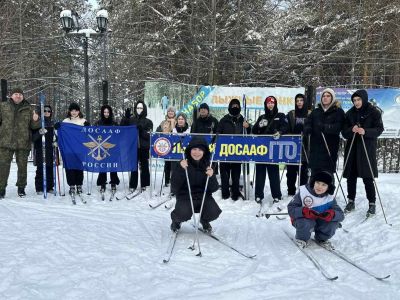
point(276, 122)
point(231, 125)
point(370, 119)
point(330, 123)
point(208, 124)
point(37, 143)
point(144, 125)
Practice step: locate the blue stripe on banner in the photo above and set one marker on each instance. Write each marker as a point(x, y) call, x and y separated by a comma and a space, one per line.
point(233, 148)
point(196, 100)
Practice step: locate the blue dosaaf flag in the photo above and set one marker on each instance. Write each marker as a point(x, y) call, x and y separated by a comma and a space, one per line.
point(98, 148)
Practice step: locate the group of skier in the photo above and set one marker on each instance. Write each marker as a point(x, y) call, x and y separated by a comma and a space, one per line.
point(313, 206)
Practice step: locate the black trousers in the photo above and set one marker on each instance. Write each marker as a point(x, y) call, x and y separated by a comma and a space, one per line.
point(167, 171)
point(183, 210)
point(291, 177)
point(39, 178)
point(74, 177)
point(102, 179)
point(369, 188)
point(274, 180)
point(143, 160)
point(230, 170)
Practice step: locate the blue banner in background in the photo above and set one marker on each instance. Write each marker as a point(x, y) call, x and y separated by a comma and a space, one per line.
point(233, 148)
point(98, 148)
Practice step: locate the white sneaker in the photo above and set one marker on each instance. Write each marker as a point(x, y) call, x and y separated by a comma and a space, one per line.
point(302, 244)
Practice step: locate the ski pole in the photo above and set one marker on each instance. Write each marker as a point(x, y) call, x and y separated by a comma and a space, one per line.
point(333, 165)
point(345, 162)
point(43, 133)
point(162, 180)
point(63, 173)
point(373, 178)
point(204, 194)
point(280, 180)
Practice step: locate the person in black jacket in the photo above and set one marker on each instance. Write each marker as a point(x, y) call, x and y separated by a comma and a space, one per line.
point(107, 119)
point(232, 123)
point(197, 164)
point(362, 120)
point(275, 123)
point(326, 120)
point(37, 144)
point(205, 123)
point(296, 119)
point(144, 127)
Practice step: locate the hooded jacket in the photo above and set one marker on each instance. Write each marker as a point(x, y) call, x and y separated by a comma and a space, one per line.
point(230, 124)
point(369, 118)
point(143, 124)
point(37, 141)
point(274, 120)
point(196, 173)
point(16, 125)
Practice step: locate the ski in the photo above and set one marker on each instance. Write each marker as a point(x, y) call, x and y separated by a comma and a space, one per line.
point(353, 263)
point(126, 195)
point(311, 257)
point(213, 236)
point(82, 199)
point(277, 215)
point(171, 245)
point(133, 195)
point(43, 129)
point(155, 205)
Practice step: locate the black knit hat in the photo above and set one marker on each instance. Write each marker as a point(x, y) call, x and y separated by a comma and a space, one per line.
point(17, 90)
point(198, 142)
point(325, 177)
point(74, 106)
point(205, 106)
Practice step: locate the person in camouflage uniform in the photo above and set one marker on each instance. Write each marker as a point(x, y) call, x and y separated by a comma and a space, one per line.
point(17, 119)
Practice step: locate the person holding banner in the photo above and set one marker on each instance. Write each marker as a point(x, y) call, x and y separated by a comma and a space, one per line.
point(74, 176)
point(144, 128)
point(205, 123)
point(38, 153)
point(197, 166)
point(272, 122)
point(324, 125)
point(167, 126)
point(107, 119)
point(232, 123)
point(296, 119)
point(363, 125)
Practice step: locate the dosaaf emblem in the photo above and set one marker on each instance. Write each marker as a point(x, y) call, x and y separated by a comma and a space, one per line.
point(162, 146)
point(99, 148)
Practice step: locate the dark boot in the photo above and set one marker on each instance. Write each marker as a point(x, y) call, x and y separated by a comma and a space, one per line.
point(371, 209)
point(175, 226)
point(350, 206)
point(206, 226)
point(102, 188)
point(79, 189)
point(72, 190)
point(2, 194)
point(21, 192)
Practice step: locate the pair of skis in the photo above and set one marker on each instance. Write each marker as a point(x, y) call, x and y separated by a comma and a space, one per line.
point(174, 235)
point(337, 253)
point(111, 198)
point(129, 195)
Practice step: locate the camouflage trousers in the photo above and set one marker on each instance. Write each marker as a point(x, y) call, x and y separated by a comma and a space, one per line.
point(6, 156)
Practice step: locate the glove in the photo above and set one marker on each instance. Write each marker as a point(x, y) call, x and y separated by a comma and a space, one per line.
point(55, 145)
point(57, 125)
point(309, 213)
point(128, 113)
point(327, 215)
point(42, 131)
point(263, 123)
point(276, 135)
point(86, 123)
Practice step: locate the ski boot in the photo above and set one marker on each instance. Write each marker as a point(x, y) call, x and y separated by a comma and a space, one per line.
point(302, 244)
point(206, 226)
point(175, 226)
point(258, 200)
point(79, 189)
point(21, 192)
point(350, 206)
point(371, 209)
point(103, 188)
point(72, 190)
point(325, 244)
point(2, 194)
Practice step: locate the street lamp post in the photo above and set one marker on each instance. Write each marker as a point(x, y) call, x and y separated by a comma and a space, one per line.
point(70, 23)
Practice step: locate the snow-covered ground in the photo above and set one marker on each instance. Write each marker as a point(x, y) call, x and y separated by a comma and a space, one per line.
point(50, 249)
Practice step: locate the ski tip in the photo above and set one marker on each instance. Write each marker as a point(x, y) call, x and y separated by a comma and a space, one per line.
point(165, 261)
point(333, 278)
point(383, 278)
